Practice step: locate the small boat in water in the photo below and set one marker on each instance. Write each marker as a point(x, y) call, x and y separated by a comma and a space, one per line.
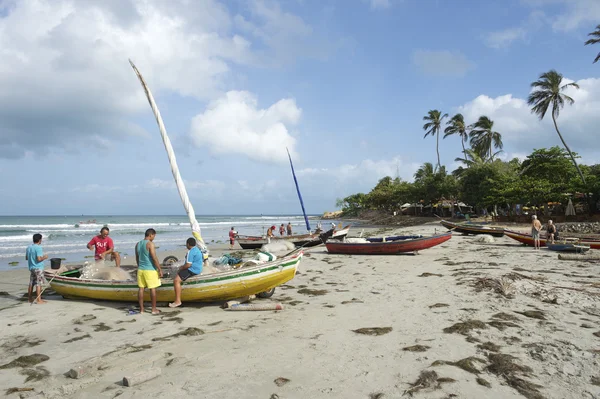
point(385, 245)
point(468, 228)
point(235, 283)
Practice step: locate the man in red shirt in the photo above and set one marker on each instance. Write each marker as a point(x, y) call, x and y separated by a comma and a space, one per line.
point(105, 249)
point(232, 235)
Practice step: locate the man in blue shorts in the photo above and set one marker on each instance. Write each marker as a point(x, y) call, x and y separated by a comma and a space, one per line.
point(35, 260)
point(191, 268)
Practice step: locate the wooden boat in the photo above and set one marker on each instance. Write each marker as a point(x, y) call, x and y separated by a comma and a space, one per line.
point(566, 246)
point(468, 228)
point(210, 287)
point(386, 245)
point(299, 240)
point(527, 239)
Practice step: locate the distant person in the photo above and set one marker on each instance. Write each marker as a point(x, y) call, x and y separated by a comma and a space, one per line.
point(281, 230)
point(319, 227)
point(289, 228)
point(232, 235)
point(270, 233)
point(191, 268)
point(333, 225)
point(536, 226)
point(34, 255)
point(550, 232)
point(105, 248)
point(149, 270)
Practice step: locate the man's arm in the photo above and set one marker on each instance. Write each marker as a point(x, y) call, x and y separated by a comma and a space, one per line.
point(137, 256)
point(91, 244)
point(152, 251)
point(40, 257)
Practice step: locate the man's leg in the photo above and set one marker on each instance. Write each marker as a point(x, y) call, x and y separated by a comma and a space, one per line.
point(117, 258)
point(153, 298)
point(177, 287)
point(38, 291)
point(141, 299)
point(30, 292)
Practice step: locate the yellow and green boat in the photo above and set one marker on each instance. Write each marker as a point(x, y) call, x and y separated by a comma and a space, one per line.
point(236, 283)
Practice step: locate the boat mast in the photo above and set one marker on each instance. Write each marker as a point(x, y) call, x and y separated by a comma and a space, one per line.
point(189, 209)
point(298, 189)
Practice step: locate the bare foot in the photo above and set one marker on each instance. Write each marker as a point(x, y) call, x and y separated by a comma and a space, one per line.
point(156, 311)
point(41, 302)
point(175, 304)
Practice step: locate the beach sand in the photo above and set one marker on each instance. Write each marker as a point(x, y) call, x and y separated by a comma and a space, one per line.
point(495, 320)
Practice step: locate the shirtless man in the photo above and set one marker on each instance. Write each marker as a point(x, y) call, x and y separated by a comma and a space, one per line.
point(105, 248)
point(536, 226)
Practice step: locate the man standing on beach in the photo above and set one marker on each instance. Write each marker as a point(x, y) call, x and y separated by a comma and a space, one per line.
point(270, 233)
point(232, 234)
point(191, 268)
point(35, 260)
point(105, 248)
point(536, 226)
point(281, 230)
point(149, 270)
point(289, 228)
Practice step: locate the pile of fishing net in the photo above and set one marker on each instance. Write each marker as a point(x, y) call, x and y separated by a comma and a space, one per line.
point(99, 271)
point(227, 259)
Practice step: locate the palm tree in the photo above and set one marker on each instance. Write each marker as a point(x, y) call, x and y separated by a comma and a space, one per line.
point(483, 137)
point(473, 158)
point(434, 120)
point(426, 170)
point(548, 91)
point(596, 39)
point(456, 125)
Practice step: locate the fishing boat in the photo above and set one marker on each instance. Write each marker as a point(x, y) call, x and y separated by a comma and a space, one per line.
point(220, 286)
point(527, 239)
point(299, 240)
point(566, 246)
point(468, 228)
point(386, 245)
point(249, 279)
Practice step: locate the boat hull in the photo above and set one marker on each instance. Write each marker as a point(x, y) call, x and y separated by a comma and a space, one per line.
point(387, 247)
point(567, 247)
point(204, 288)
point(527, 239)
point(301, 240)
point(473, 229)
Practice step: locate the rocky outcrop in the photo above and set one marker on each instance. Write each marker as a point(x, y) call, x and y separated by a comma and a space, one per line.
point(332, 215)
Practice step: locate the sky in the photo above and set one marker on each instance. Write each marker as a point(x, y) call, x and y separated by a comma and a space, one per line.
point(343, 84)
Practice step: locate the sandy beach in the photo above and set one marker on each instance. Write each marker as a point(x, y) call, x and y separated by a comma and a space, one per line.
point(461, 320)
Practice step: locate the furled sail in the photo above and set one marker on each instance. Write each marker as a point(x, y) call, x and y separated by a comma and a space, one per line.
point(298, 189)
point(173, 161)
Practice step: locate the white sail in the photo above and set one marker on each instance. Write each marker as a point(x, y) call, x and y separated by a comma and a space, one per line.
point(173, 161)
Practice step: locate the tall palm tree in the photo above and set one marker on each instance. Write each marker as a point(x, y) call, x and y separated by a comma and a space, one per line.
point(456, 125)
point(547, 90)
point(473, 158)
point(595, 39)
point(426, 170)
point(434, 120)
point(483, 138)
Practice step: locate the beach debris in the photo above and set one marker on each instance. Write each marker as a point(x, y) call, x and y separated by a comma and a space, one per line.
point(505, 316)
point(281, 381)
point(10, 391)
point(20, 341)
point(580, 257)
point(255, 306)
point(502, 286)
point(101, 327)
point(85, 368)
point(13, 263)
point(489, 346)
point(353, 300)
point(141, 377)
point(373, 330)
point(428, 379)
point(467, 364)
point(307, 291)
point(502, 325)
point(597, 334)
point(483, 382)
point(26, 361)
point(37, 374)
point(429, 275)
point(188, 332)
point(595, 380)
point(84, 318)
point(77, 338)
point(438, 305)
point(503, 365)
point(376, 395)
point(416, 348)
point(465, 326)
point(534, 314)
point(483, 239)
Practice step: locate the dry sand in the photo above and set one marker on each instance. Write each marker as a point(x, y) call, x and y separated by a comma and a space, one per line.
point(493, 320)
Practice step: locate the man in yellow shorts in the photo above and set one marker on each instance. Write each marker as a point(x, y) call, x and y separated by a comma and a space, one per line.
point(149, 270)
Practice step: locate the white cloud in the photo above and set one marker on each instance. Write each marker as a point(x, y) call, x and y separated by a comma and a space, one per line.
point(366, 170)
point(573, 14)
point(442, 63)
point(504, 38)
point(522, 131)
point(234, 124)
point(380, 4)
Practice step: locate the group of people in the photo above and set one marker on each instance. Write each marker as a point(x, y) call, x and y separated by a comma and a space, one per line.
point(536, 227)
point(149, 270)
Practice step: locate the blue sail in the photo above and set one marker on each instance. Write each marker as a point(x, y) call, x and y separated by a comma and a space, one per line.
point(298, 189)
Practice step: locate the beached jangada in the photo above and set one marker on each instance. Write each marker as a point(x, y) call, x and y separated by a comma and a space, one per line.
point(249, 279)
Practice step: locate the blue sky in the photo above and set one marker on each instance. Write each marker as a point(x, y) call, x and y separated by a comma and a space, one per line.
point(343, 84)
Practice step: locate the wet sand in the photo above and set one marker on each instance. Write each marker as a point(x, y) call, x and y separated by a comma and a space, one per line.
point(461, 320)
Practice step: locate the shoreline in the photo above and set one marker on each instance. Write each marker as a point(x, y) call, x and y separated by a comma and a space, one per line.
point(496, 320)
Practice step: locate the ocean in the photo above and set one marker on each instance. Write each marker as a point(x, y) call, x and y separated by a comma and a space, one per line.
point(67, 236)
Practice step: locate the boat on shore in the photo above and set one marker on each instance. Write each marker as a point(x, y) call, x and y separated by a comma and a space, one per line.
point(527, 239)
point(468, 228)
point(566, 246)
point(299, 240)
point(386, 245)
point(221, 286)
